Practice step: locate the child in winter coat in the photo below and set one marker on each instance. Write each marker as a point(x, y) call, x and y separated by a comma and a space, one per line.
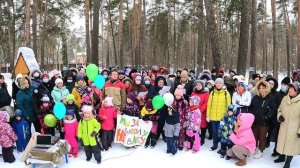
point(43, 110)
point(21, 128)
point(79, 89)
point(72, 105)
point(193, 125)
point(107, 114)
point(132, 108)
point(226, 126)
point(71, 125)
point(183, 107)
point(171, 128)
point(148, 113)
point(88, 128)
point(242, 138)
point(7, 138)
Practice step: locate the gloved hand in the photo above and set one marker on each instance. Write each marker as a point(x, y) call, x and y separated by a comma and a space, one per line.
point(28, 138)
point(237, 102)
point(80, 141)
point(94, 133)
point(207, 119)
point(281, 119)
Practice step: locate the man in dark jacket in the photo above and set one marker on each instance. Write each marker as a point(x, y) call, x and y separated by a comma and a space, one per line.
point(70, 80)
point(5, 98)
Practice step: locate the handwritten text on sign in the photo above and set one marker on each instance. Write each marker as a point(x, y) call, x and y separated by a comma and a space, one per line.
point(132, 131)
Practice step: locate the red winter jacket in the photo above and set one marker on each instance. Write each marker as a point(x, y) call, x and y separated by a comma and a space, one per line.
point(203, 95)
point(7, 134)
point(107, 116)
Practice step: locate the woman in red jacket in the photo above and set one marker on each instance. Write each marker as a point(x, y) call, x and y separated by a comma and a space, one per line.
point(203, 94)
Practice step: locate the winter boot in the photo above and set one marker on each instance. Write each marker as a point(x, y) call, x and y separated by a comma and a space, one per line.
point(280, 159)
point(213, 148)
point(241, 162)
point(274, 154)
point(258, 155)
point(288, 162)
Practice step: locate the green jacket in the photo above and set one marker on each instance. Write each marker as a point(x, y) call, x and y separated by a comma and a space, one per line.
point(85, 129)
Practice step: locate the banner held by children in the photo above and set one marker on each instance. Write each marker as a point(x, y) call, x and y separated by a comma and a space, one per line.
point(132, 131)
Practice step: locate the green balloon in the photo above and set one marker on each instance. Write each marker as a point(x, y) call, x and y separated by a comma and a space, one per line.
point(158, 102)
point(50, 120)
point(92, 71)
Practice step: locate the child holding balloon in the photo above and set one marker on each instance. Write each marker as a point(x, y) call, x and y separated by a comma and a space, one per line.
point(43, 110)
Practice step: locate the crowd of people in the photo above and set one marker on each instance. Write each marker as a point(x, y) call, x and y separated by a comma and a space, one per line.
point(240, 118)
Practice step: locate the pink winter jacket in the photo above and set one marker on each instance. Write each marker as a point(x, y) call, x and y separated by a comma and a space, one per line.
point(107, 116)
point(7, 134)
point(71, 127)
point(244, 136)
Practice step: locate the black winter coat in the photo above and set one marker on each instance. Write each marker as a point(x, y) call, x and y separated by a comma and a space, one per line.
point(15, 90)
point(5, 98)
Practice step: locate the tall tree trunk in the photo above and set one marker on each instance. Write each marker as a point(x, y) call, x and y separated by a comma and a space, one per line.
point(298, 36)
point(27, 24)
point(244, 36)
point(288, 37)
point(112, 33)
point(95, 37)
point(121, 48)
point(87, 31)
point(34, 28)
point(214, 36)
point(253, 37)
point(264, 47)
point(169, 60)
point(275, 49)
point(44, 35)
point(201, 38)
point(129, 27)
point(64, 49)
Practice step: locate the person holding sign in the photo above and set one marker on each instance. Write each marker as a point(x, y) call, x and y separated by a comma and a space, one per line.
point(148, 113)
point(171, 128)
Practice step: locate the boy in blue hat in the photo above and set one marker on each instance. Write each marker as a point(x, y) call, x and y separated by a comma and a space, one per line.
point(21, 128)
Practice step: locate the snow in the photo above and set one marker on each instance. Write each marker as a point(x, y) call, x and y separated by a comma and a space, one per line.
point(29, 58)
point(119, 156)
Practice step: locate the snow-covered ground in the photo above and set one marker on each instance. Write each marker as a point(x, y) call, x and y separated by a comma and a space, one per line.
point(118, 157)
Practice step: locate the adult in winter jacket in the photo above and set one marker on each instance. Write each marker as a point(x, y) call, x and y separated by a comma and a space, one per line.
point(116, 89)
point(45, 88)
point(186, 83)
point(282, 93)
point(21, 128)
point(5, 98)
point(59, 92)
point(7, 138)
point(241, 98)
point(79, 89)
point(70, 80)
point(251, 88)
point(182, 108)
point(289, 117)
point(26, 104)
point(203, 94)
point(243, 139)
point(160, 82)
point(218, 101)
point(138, 87)
point(263, 107)
point(35, 78)
point(88, 129)
point(230, 85)
point(16, 86)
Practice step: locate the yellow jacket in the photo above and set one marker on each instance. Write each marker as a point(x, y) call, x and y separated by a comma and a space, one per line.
point(77, 95)
point(218, 102)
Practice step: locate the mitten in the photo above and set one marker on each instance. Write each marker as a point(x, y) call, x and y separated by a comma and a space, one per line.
point(94, 133)
point(281, 119)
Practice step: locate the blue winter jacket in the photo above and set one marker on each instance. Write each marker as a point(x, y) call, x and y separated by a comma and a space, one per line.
point(227, 125)
point(22, 130)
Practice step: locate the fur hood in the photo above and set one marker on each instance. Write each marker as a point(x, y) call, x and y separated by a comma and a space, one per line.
point(22, 81)
point(33, 71)
point(268, 88)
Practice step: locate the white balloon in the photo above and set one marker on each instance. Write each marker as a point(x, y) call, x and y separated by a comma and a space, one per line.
point(169, 99)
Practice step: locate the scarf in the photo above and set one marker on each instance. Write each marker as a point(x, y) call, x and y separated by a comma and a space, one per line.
point(80, 89)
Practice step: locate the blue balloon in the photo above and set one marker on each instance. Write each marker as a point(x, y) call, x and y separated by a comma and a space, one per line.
point(59, 110)
point(99, 81)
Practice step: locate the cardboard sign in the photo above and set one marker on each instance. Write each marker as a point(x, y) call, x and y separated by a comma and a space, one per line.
point(131, 131)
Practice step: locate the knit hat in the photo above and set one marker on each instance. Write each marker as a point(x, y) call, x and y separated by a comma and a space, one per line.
point(184, 74)
point(179, 90)
point(286, 80)
point(45, 76)
point(18, 113)
point(255, 76)
point(121, 72)
point(70, 112)
point(147, 78)
point(241, 84)
point(296, 86)
point(87, 109)
point(138, 77)
point(253, 82)
point(58, 80)
point(232, 71)
point(79, 78)
point(222, 70)
point(132, 97)
point(232, 108)
point(19, 76)
point(70, 97)
point(214, 70)
point(219, 80)
point(195, 100)
point(149, 105)
point(108, 101)
point(55, 72)
point(45, 99)
point(212, 82)
point(199, 81)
